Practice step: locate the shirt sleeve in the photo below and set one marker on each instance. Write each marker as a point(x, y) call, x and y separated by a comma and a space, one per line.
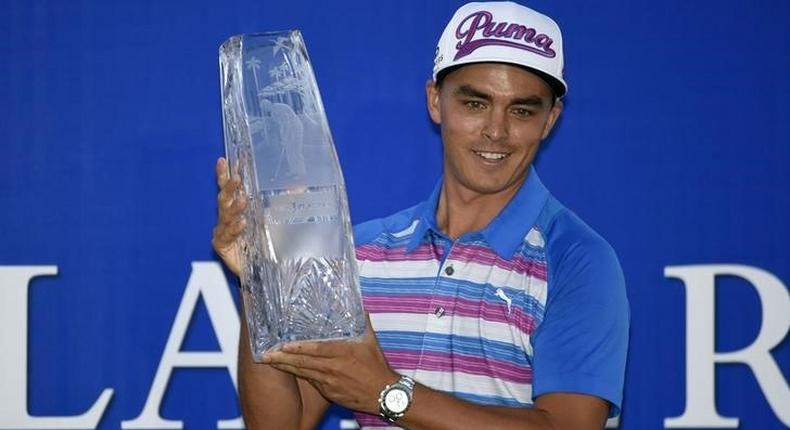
point(581, 344)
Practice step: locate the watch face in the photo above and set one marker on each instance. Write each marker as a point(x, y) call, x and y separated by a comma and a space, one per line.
point(396, 400)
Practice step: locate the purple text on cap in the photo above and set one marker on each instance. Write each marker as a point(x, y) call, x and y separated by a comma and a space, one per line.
point(493, 33)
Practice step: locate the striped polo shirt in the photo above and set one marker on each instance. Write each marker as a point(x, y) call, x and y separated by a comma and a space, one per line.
point(531, 304)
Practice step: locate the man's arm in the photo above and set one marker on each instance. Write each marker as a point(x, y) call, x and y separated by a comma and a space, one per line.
point(353, 373)
point(557, 411)
point(270, 399)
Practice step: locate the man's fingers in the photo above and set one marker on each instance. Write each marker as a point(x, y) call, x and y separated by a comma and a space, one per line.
point(232, 211)
point(222, 171)
point(231, 206)
point(238, 205)
point(226, 234)
point(315, 349)
point(231, 202)
point(228, 190)
point(311, 375)
point(220, 240)
point(300, 361)
point(231, 217)
point(235, 229)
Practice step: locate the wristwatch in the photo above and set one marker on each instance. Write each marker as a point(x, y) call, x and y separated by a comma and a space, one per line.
point(395, 398)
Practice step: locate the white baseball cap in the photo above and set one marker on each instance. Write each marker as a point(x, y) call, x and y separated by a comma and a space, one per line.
point(503, 32)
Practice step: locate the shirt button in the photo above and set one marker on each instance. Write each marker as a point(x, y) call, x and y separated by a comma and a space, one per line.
point(439, 312)
point(449, 270)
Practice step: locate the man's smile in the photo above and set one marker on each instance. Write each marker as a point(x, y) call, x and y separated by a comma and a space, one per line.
point(492, 156)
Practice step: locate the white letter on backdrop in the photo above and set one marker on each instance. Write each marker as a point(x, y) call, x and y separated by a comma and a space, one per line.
point(206, 280)
point(701, 357)
point(14, 283)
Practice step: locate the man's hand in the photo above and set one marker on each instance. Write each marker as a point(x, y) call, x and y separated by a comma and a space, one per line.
point(230, 223)
point(349, 373)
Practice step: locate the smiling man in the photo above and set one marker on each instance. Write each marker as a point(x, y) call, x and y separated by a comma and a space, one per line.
point(491, 306)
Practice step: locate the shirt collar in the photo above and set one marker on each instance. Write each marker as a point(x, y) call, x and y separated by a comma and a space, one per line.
point(505, 232)
point(425, 218)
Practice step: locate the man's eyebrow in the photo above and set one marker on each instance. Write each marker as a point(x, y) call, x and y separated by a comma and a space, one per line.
point(528, 101)
point(469, 91)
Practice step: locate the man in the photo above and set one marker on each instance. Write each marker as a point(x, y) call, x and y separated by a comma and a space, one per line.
point(491, 306)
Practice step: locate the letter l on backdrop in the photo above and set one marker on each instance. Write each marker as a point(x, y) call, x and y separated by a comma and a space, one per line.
point(14, 283)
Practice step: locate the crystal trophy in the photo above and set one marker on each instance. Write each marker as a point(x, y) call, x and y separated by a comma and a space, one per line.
point(299, 276)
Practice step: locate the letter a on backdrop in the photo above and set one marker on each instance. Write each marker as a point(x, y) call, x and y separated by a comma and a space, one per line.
point(208, 281)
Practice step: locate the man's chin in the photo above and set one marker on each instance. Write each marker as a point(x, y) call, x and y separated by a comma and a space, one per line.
point(492, 187)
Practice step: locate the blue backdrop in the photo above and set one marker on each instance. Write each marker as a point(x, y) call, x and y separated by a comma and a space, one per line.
point(674, 145)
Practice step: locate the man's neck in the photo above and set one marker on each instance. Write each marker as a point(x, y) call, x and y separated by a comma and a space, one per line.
point(462, 211)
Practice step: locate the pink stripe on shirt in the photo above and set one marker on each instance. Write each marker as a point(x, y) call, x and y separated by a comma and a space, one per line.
point(485, 256)
point(373, 252)
point(455, 362)
point(422, 304)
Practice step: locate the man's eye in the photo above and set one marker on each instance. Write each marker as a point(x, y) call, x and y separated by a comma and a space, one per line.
point(474, 105)
point(522, 112)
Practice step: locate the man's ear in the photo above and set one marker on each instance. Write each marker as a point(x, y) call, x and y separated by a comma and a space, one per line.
point(432, 100)
point(554, 115)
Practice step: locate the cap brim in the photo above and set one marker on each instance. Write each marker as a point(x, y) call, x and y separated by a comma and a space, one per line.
point(558, 87)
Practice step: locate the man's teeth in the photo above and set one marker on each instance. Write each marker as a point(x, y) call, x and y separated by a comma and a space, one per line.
point(491, 155)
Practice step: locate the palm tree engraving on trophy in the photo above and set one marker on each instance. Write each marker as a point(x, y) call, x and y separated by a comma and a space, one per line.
point(254, 64)
point(299, 278)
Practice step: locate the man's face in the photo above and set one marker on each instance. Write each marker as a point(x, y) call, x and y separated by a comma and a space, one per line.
point(493, 117)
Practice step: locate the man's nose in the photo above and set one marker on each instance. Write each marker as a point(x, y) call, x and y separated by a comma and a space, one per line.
point(496, 126)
